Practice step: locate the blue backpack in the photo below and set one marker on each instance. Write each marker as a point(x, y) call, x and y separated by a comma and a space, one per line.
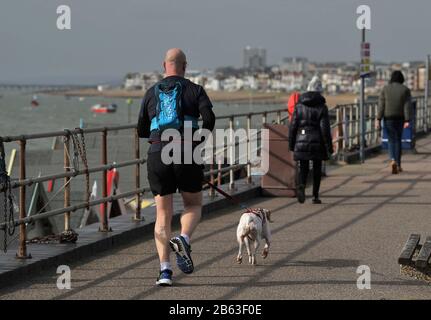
point(169, 114)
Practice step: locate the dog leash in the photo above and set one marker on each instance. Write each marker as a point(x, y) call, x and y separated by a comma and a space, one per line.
point(228, 196)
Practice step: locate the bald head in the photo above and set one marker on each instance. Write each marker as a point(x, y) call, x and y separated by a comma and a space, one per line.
point(175, 62)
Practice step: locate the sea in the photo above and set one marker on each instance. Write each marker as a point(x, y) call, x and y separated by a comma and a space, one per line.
point(57, 112)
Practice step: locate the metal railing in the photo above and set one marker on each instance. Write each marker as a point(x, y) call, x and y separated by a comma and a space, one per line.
point(67, 174)
point(346, 127)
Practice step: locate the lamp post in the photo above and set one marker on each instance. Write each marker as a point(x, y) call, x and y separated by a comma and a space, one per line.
point(365, 72)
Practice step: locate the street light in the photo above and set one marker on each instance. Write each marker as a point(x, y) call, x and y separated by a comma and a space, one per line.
point(364, 72)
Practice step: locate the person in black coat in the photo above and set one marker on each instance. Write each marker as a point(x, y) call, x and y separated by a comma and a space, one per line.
point(310, 137)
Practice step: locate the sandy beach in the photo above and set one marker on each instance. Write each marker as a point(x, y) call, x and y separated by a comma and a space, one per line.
point(238, 97)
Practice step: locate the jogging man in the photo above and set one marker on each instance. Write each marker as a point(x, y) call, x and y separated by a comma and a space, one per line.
point(191, 101)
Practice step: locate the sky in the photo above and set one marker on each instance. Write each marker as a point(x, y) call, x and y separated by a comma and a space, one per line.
point(109, 38)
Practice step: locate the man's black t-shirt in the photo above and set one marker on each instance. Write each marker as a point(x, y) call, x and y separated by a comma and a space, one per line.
point(194, 102)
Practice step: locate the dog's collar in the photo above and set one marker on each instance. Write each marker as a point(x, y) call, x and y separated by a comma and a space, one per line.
point(259, 214)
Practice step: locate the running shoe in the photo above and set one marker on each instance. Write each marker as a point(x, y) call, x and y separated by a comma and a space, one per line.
point(165, 278)
point(182, 250)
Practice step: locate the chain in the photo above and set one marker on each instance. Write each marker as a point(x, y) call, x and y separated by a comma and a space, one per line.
point(65, 236)
point(87, 176)
point(5, 219)
point(79, 148)
point(6, 188)
point(11, 218)
point(69, 236)
point(76, 151)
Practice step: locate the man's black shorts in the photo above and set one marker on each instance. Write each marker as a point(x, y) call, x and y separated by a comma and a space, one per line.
point(167, 179)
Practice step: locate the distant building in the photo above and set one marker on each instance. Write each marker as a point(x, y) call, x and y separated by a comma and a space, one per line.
point(102, 87)
point(421, 79)
point(294, 73)
point(291, 74)
point(296, 64)
point(411, 75)
point(141, 81)
point(254, 58)
point(293, 81)
point(213, 85)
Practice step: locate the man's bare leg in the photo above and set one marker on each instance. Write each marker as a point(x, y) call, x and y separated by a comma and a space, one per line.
point(189, 221)
point(162, 229)
point(192, 212)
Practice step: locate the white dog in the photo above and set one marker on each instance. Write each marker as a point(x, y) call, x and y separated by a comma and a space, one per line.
point(252, 228)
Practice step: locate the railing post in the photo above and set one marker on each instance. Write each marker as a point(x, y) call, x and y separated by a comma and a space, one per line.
point(249, 148)
point(337, 119)
point(370, 123)
point(278, 117)
point(22, 250)
point(66, 154)
point(426, 93)
point(219, 173)
point(377, 135)
point(357, 122)
point(104, 214)
point(231, 153)
point(264, 117)
point(211, 191)
point(137, 178)
point(428, 114)
point(344, 125)
point(350, 126)
point(418, 119)
point(425, 116)
point(340, 135)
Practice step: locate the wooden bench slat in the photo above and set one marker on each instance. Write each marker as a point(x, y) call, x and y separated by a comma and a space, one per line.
point(424, 254)
point(409, 249)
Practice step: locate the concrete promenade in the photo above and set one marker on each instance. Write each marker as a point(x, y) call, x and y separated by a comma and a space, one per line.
point(365, 219)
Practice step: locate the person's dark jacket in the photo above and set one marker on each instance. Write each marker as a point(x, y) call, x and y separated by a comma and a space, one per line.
point(310, 132)
point(395, 102)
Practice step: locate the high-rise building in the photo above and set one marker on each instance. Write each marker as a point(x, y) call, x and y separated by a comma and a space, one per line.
point(254, 58)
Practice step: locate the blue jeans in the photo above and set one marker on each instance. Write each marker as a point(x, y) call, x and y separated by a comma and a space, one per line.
point(394, 128)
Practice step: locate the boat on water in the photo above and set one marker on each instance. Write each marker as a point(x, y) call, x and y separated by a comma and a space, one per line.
point(34, 102)
point(104, 108)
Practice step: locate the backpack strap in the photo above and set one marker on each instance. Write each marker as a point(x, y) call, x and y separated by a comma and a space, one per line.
point(155, 121)
point(183, 116)
point(179, 87)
